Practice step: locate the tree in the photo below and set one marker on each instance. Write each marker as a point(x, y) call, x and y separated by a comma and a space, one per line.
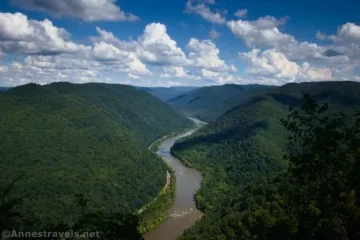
point(322, 185)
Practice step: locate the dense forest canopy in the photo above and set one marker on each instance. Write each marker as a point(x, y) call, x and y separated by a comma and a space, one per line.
point(244, 192)
point(62, 140)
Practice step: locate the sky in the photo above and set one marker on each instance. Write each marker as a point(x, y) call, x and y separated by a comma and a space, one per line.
point(179, 42)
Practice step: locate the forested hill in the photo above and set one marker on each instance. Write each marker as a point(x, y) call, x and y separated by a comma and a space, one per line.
point(62, 140)
point(2, 89)
point(165, 93)
point(245, 147)
point(209, 103)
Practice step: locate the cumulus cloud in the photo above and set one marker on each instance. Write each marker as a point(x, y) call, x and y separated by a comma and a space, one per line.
point(177, 72)
point(241, 13)
point(219, 77)
point(155, 46)
point(348, 33)
point(17, 65)
point(109, 37)
point(3, 68)
point(272, 64)
point(18, 34)
point(261, 33)
point(205, 12)
point(121, 60)
point(302, 51)
point(313, 73)
point(99, 10)
point(47, 69)
point(205, 54)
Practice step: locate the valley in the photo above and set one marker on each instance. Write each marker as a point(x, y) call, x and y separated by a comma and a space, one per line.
point(115, 153)
point(182, 212)
point(179, 120)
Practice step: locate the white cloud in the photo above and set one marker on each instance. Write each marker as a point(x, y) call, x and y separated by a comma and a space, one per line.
point(47, 69)
point(302, 51)
point(177, 72)
point(3, 68)
point(218, 77)
point(349, 33)
point(205, 54)
point(346, 41)
point(9, 22)
point(270, 63)
point(133, 76)
point(313, 73)
point(205, 12)
point(261, 33)
point(241, 13)
point(269, 22)
point(134, 65)
point(155, 46)
point(87, 10)
point(107, 52)
point(273, 66)
point(109, 37)
point(17, 65)
point(321, 35)
point(18, 34)
point(214, 34)
point(118, 59)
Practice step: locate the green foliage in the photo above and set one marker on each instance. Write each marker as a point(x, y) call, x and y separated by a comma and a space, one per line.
point(325, 202)
point(95, 222)
point(250, 191)
point(92, 139)
point(155, 212)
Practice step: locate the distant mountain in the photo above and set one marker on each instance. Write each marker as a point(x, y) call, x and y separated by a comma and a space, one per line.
point(246, 146)
point(209, 103)
point(166, 94)
point(3, 89)
point(64, 140)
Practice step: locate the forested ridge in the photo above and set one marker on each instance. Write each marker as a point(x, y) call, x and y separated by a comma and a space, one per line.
point(272, 179)
point(62, 141)
point(3, 89)
point(209, 103)
point(167, 93)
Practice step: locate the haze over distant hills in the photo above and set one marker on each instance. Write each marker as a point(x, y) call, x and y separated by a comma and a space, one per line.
point(2, 89)
point(166, 94)
point(209, 103)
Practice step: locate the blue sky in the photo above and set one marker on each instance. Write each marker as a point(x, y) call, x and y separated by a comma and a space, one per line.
point(179, 42)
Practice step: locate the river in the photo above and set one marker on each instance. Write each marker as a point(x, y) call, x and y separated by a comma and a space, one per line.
point(182, 213)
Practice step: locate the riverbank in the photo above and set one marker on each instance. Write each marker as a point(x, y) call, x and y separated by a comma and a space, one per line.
point(155, 212)
point(182, 212)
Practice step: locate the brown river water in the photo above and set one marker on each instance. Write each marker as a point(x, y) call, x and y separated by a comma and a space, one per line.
point(182, 213)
